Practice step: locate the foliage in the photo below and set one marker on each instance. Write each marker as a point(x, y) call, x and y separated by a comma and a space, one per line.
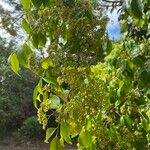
point(15, 94)
point(31, 128)
point(97, 91)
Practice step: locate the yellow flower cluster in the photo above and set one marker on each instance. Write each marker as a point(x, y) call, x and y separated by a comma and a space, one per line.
point(42, 117)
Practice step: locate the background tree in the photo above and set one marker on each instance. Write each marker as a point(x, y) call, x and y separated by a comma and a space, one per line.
point(17, 114)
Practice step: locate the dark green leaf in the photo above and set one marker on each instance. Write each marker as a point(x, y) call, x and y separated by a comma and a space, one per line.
point(42, 39)
point(128, 121)
point(109, 46)
point(46, 2)
point(136, 8)
point(37, 3)
point(35, 40)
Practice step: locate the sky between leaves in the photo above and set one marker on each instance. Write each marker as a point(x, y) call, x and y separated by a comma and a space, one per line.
point(112, 27)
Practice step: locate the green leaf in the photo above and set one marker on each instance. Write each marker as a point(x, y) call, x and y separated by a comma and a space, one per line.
point(42, 39)
point(88, 125)
point(22, 58)
point(100, 52)
point(145, 121)
point(85, 138)
point(46, 2)
point(113, 133)
point(50, 77)
point(37, 3)
point(26, 4)
point(55, 144)
point(40, 90)
point(128, 121)
point(27, 49)
point(49, 133)
point(145, 124)
point(121, 83)
point(26, 26)
point(55, 102)
point(136, 8)
point(64, 132)
point(46, 63)
point(14, 63)
point(35, 40)
point(109, 46)
point(35, 94)
point(23, 55)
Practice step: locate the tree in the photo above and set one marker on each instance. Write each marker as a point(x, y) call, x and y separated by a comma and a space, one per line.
point(91, 86)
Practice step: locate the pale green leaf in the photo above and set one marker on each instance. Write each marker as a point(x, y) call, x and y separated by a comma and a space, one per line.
point(26, 4)
point(46, 63)
point(26, 26)
point(55, 102)
point(55, 144)
point(49, 133)
point(14, 63)
point(23, 55)
point(40, 90)
point(64, 132)
point(35, 94)
point(85, 138)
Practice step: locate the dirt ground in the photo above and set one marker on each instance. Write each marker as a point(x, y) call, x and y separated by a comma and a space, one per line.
point(30, 145)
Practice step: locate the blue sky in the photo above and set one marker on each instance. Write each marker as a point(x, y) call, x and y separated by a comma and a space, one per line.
point(113, 25)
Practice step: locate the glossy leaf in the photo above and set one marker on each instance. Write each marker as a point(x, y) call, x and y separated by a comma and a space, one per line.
point(14, 63)
point(49, 133)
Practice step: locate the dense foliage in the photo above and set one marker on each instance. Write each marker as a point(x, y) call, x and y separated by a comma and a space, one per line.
point(97, 89)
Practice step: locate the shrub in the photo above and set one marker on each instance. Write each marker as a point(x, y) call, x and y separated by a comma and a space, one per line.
point(31, 128)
